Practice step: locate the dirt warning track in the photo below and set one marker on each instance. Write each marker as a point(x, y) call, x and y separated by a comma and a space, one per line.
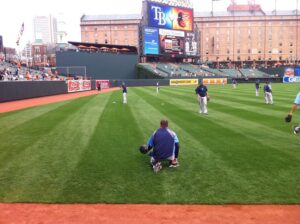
point(148, 214)
point(21, 104)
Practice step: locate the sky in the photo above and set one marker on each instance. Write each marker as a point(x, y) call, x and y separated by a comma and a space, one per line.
point(15, 12)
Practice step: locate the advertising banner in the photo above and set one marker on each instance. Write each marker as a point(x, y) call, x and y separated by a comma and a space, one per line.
point(151, 44)
point(291, 75)
point(78, 85)
point(289, 72)
point(171, 42)
point(190, 45)
point(183, 82)
point(104, 84)
point(169, 17)
point(290, 79)
point(218, 81)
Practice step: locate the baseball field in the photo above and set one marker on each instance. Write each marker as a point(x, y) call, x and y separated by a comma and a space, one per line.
point(86, 150)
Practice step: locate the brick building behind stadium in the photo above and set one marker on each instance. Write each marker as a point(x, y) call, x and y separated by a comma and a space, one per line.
point(242, 34)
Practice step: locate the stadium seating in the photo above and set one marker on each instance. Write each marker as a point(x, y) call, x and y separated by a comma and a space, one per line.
point(232, 73)
point(181, 70)
point(253, 73)
point(10, 72)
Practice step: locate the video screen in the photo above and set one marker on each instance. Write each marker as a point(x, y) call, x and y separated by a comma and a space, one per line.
point(169, 17)
point(171, 42)
point(151, 44)
point(190, 45)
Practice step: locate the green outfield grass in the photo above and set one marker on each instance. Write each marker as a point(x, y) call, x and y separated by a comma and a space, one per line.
point(86, 150)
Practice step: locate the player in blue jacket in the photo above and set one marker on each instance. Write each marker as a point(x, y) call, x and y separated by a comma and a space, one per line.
point(268, 93)
point(165, 145)
point(202, 94)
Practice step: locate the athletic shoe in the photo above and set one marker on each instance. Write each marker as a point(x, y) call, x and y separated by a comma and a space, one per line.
point(174, 163)
point(157, 167)
point(296, 129)
point(152, 161)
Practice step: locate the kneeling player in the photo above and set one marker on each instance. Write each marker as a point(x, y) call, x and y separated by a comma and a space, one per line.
point(165, 146)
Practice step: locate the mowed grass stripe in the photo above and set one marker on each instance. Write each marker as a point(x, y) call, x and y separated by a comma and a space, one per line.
point(111, 170)
point(242, 110)
point(237, 97)
point(280, 91)
point(252, 128)
point(51, 158)
point(201, 187)
point(246, 159)
point(12, 119)
point(231, 121)
point(274, 125)
point(284, 92)
point(26, 134)
point(281, 103)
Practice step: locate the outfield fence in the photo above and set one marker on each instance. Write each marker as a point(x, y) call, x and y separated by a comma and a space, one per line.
point(17, 90)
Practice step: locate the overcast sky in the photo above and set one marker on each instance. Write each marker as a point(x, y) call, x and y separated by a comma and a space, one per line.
point(15, 12)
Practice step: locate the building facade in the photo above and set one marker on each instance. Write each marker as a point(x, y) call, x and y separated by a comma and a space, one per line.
point(1, 45)
point(42, 55)
point(242, 34)
point(246, 34)
point(111, 29)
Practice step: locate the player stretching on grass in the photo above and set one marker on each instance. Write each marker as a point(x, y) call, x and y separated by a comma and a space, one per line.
point(165, 145)
point(288, 118)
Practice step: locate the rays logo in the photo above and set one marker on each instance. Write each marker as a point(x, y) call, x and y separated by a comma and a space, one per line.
point(159, 15)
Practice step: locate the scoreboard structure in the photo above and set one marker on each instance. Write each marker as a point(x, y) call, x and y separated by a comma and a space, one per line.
point(168, 30)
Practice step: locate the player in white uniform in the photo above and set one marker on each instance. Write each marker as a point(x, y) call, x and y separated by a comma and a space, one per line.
point(124, 91)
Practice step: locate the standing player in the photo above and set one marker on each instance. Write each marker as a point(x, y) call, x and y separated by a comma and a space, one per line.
point(288, 118)
point(157, 87)
point(124, 90)
point(257, 87)
point(202, 95)
point(234, 83)
point(165, 146)
point(268, 93)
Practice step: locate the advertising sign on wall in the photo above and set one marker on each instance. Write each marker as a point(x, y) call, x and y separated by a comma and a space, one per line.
point(291, 75)
point(182, 82)
point(79, 85)
point(171, 42)
point(151, 44)
point(104, 84)
point(218, 81)
point(290, 79)
point(169, 17)
point(289, 72)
